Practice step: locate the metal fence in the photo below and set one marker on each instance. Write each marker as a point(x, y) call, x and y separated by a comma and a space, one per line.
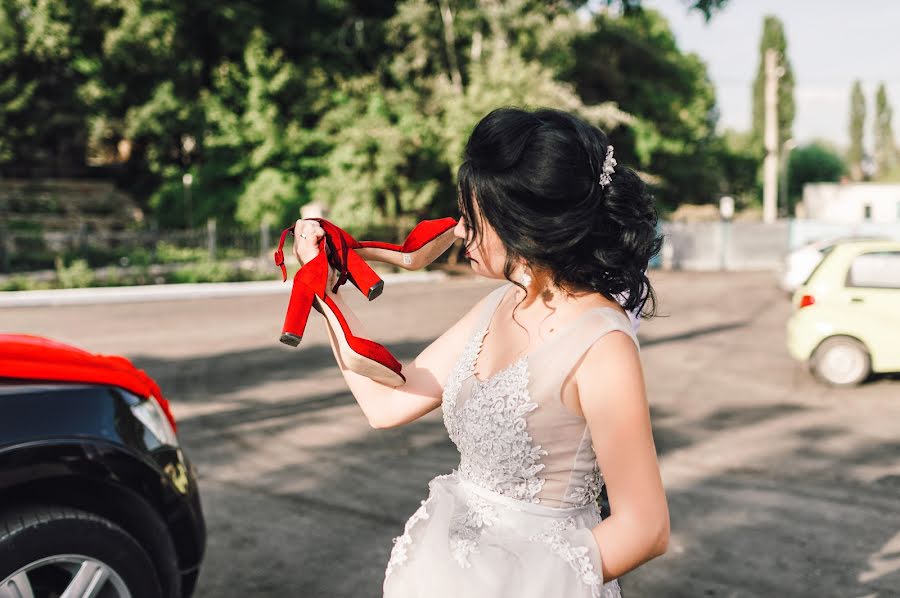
point(688, 246)
point(751, 245)
point(26, 251)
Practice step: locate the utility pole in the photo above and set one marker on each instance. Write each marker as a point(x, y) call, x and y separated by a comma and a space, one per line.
point(770, 166)
point(786, 149)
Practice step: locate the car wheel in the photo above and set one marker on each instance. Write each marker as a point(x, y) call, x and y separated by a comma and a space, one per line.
point(58, 551)
point(841, 361)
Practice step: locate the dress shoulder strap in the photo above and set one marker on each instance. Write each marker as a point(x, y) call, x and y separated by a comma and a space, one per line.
point(560, 356)
point(491, 303)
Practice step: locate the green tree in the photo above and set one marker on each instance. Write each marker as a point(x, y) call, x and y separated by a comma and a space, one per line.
point(857, 151)
point(773, 38)
point(813, 163)
point(231, 93)
point(672, 135)
point(883, 134)
point(49, 52)
point(706, 7)
point(365, 104)
point(397, 135)
point(739, 165)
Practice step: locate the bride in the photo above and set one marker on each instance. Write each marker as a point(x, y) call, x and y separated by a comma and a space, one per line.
point(540, 383)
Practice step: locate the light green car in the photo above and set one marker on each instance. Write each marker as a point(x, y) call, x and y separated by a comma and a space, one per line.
point(846, 319)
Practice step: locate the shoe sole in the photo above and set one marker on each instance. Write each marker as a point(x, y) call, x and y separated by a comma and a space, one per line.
point(352, 360)
point(415, 260)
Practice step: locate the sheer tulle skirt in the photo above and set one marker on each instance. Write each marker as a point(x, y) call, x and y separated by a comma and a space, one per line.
point(465, 540)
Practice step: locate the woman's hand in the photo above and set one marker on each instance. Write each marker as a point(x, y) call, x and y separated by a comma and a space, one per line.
point(305, 249)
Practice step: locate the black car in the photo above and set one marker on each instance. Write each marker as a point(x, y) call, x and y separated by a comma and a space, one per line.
point(96, 496)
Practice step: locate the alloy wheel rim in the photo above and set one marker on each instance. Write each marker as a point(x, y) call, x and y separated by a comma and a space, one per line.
point(842, 364)
point(89, 578)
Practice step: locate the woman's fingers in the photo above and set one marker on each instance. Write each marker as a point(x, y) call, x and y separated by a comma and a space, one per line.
point(311, 229)
point(306, 239)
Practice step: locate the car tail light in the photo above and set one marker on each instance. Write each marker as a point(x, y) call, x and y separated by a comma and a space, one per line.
point(151, 413)
point(806, 301)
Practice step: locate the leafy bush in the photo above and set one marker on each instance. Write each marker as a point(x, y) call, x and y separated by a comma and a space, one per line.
point(76, 275)
point(23, 283)
point(813, 163)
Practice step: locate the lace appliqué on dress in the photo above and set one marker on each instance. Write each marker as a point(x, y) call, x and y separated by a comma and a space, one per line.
point(578, 557)
point(490, 429)
point(465, 531)
point(465, 367)
point(401, 543)
point(593, 484)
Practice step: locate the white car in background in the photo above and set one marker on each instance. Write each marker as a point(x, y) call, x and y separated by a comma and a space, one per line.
point(799, 263)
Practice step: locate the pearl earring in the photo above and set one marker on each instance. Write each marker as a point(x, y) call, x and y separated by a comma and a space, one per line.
point(524, 279)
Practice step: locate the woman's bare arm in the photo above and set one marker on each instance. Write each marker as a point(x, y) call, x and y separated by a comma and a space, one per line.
point(387, 407)
point(611, 390)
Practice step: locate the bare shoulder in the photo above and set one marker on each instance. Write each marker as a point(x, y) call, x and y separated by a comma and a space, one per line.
point(610, 375)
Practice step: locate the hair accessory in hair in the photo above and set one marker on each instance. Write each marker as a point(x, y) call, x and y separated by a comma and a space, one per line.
point(609, 166)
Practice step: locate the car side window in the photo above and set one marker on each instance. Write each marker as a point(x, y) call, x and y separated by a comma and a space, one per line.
point(880, 270)
point(823, 253)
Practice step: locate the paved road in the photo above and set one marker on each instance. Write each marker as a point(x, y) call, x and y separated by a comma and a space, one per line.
point(777, 486)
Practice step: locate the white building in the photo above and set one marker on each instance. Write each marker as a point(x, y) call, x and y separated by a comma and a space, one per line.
point(852, 203)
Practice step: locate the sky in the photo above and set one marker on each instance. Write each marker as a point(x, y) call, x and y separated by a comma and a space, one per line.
point(830, 44)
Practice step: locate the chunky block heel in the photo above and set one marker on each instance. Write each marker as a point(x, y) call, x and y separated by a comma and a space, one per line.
point(363, 277)
point(360, 355)
point(305, 281)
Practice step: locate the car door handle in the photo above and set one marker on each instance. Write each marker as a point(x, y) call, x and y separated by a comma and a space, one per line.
point(856, 300)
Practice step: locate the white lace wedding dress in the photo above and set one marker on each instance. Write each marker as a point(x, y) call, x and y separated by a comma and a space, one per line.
point(514, 519)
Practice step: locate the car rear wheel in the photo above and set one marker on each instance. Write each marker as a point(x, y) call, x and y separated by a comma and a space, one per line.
point(59, 551)
point(841, 361)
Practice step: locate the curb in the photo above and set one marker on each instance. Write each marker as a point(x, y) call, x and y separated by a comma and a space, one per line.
point(174, 292)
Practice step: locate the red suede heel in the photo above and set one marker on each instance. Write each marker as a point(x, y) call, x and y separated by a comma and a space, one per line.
point(306, 280)
point(342, 257)
point(360, 355)
point(354, 267)
point(427, 240)
point(423, 233)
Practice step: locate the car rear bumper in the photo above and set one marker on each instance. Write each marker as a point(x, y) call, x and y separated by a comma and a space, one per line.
point(802, 336)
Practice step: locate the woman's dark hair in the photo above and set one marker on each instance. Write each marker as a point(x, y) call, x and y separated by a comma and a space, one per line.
point(535, 178)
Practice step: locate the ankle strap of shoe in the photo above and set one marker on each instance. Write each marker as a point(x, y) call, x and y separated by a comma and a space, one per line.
point(338, 251)
point(337, 257)
point(279, 253)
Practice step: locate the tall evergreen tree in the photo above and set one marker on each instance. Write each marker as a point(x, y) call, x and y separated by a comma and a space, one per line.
point(885, 149)
point(857, 131)
point(773, 38)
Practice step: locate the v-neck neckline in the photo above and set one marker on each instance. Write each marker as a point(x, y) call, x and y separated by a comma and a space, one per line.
point(484, 330)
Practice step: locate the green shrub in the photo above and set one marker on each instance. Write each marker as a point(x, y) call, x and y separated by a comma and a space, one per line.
point(205, 272)
point(23, 283)
point(76, 275)
point(169, 253)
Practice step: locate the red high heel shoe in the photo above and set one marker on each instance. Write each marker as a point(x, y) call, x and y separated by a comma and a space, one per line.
point(360, 355)
point(427, 240)
point(342, 257)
